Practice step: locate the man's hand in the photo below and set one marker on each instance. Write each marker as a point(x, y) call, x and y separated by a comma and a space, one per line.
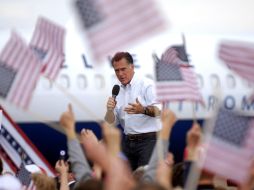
point(193, 140)
point(67, 121)
point(194, 136)
point(111, 104)
point(109, 116)
point(135, 108)
point(62, 167)
point(89, 135)
point(168, 119)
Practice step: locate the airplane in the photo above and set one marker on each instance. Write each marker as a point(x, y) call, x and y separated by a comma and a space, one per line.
point(87, 84)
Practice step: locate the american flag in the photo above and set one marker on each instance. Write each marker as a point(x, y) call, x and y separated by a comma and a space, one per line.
point(24, 177)
point(175, 78)
point(14, 143)
point(231, 147)
point(19, 72)
point(238, 56)
point(113, 25)
point(175, 54)
point(48, 44)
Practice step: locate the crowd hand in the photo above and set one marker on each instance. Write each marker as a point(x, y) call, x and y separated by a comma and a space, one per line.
point(97, 171)
point(111, 104)
point(96, 152)
point(62, 167)
point(163, 174)
point(194, 136)
point(117, 174)
point(135, 108)
point(89, 136)
point(168, 119)
point(67, 121)
point(112, 138)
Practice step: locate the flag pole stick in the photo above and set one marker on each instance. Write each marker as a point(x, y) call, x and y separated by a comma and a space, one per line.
point(194, 113)
point(159, 142)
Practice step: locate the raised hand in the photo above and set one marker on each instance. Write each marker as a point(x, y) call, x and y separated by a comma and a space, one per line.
point(62, 167)
point(168, 119)
point(194, 136)
point(112, 138)
point(67, 121)
point(88, 135)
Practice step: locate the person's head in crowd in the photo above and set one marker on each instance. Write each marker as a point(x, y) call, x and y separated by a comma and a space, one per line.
point(149, 186)
point(9, 182)
point(90, 184)
point(1, 166)
point(122, 63)
point(71, 175)
point(43, 182)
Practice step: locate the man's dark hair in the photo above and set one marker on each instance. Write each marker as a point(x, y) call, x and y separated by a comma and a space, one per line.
point(119, 55)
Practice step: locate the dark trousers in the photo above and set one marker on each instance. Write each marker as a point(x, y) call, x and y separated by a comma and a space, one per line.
point(138, 148)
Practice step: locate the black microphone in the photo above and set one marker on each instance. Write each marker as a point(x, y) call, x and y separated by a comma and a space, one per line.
point(115, 90)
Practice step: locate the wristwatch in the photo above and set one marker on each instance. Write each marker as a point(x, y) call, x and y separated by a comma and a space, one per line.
point(145, 110)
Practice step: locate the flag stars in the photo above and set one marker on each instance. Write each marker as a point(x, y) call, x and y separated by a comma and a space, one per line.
point(14, 143)
point(227, 127)
point(8, 137)
point(29, 162)
point(19, 150)
point(2, 131)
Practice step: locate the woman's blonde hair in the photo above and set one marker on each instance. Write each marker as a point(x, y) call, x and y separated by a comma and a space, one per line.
point(43, 182)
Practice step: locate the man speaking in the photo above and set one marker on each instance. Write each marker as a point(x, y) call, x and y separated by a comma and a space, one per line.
point(135, 109)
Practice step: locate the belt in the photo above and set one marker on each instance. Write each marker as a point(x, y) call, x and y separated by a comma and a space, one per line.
point(140, 136)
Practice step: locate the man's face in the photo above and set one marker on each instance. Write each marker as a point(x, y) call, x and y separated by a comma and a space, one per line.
point(124, 71)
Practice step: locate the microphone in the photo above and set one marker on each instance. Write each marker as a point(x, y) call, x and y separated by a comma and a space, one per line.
point(115, 90)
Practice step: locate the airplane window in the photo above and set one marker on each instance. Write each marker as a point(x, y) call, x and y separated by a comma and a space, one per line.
point(200, 81)
point(64, 80)
point(82, 81)
point(99, 81)
point(231, 83)
point(215, 81)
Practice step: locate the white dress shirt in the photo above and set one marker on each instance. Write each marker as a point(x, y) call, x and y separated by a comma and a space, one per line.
point(144, 90)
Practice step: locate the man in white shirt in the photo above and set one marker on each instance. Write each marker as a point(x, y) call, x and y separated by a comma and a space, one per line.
point(135, 109)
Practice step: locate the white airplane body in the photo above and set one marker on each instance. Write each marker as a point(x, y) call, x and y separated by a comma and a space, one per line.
point(89, 88)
